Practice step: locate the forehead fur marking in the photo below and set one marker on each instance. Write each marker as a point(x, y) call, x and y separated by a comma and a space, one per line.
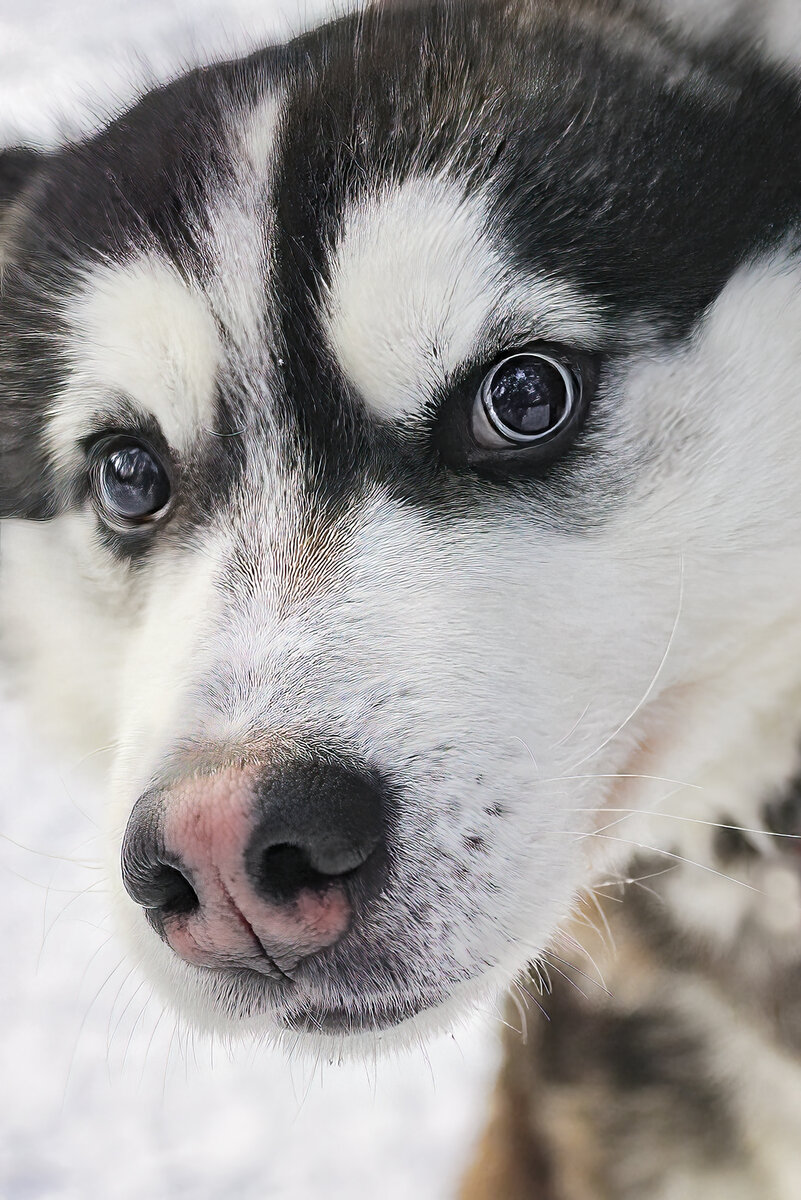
point(416, 279)
point(240, 227)
point(408, 285)
point(138, 330)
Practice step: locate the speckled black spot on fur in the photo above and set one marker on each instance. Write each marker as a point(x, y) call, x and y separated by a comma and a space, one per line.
point(732, 845)
point(782, 816)
point(641, 1078)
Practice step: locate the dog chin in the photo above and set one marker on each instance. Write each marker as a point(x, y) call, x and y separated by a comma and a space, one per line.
point(242, 1005)
point(248, 1002)
point(395, 1024)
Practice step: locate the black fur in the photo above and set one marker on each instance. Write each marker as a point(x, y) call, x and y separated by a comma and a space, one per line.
point(644, 176)
point(18, 167)
point(21, 465)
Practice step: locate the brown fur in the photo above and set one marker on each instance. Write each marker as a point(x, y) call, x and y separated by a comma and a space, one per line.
point(658, 1084)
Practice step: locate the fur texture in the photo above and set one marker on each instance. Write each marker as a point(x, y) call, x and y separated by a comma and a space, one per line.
point(290, 274)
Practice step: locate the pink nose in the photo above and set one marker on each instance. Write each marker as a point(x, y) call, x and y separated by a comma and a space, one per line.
point(245, 869)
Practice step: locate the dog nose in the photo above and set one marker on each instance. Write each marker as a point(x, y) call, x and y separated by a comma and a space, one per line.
point(257, 869)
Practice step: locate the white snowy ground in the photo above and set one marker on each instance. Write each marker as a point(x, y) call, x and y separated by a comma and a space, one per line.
point(100, 1099)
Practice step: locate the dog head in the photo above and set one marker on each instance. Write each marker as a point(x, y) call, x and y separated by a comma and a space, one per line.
point(385, 422)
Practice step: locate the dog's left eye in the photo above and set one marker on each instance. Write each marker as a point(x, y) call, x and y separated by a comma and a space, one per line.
point(129, 482)
point(526, 398)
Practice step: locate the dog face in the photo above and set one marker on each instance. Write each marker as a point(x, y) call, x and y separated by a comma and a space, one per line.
point(386, 422)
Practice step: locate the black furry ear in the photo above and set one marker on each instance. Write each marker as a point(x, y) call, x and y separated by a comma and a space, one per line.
point(24, 490)
point(17, 167)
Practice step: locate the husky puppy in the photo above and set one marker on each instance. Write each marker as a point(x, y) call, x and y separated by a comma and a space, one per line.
point(399, 462)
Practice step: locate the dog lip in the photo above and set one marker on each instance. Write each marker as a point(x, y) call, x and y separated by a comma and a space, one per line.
point(347, 1019)
point(276, 996)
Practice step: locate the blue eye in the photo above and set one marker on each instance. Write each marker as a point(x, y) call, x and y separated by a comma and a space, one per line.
point(130, 484)
point(525, 398)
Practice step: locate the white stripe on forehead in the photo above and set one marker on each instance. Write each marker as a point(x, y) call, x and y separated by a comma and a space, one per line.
point(138, 332)
point(240, 221)
point(415, 282)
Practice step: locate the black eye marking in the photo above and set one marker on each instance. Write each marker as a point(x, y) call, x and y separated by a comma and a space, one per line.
point(525, 398)
point(129, 483)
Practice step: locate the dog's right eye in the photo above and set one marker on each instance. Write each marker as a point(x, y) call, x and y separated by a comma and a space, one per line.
point(130, 484)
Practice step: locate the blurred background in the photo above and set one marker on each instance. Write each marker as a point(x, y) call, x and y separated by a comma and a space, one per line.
point(102, 1095)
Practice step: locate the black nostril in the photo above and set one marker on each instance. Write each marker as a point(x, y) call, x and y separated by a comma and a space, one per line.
point(151, 878)
point(320, 822)
point(283, 871)
point(172, 891)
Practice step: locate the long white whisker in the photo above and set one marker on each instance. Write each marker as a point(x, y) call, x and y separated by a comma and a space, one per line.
point(653, 682)
point(582, 949)
point(521, 1010)
point(605, 920)
point(693, 821)
point(567, 736)
point(92, 864)
point(678, 857)
point(620, 820)
point(573, 967)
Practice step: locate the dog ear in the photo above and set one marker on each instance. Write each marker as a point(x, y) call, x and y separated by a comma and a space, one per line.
point(24, 489)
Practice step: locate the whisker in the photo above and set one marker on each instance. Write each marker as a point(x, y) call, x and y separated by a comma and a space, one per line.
point(654, 680)
point(580, 948)
point(544, 986)
point(572, 982)
point(521, 1013)
point(129, 1042)
point(76, 805)
point(82, 1025)
point(149, 1045)
point(630, 812)
point(678, 857)
point(771, 833)
point(167, 1062)
point(566, 737)
point(624, 882)
point(95, 753)
point(91, 864)
point(533, 999)
point(120, 989)
point(679, 783)
point(121, 1017)
point(583, 974)
point(590, 895)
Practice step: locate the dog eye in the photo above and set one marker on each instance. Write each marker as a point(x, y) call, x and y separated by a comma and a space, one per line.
point(526, 398)
point(129, 483)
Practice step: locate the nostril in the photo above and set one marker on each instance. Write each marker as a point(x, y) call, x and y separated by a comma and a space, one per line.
point(173, 892)
point(321, 824)
point(282, 871)
point(153, 876)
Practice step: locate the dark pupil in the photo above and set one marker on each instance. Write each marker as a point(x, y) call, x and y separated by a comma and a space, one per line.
point(134, 484)
point(529, 397)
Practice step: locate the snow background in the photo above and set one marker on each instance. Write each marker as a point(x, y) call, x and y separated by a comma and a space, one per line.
point(102, 1097)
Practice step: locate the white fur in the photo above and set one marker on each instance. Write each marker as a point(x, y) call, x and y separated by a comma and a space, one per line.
point(432, 244)
point(773, 25)
point(505, 660)
point(140, 332)
point(241, 221)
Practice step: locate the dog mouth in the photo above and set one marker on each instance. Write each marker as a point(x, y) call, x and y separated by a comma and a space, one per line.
point(373, 1017)
point(304, 1008)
